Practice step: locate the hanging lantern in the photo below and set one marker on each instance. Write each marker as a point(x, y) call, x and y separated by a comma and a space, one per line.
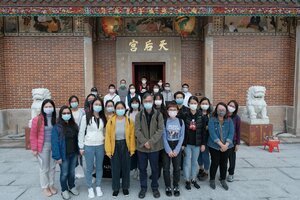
point(111, 26)
point(185, 25)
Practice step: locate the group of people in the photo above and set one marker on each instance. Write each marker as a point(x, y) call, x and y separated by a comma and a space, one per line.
point(133, 127)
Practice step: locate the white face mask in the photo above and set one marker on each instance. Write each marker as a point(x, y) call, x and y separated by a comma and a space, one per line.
point(185, 89)
point(155, 90)
point(132, 90)
point(158, 102)
point(95, 93)
point(112, 90)
point(49, 111)
point(167, 88)
point(172, 114)
point(231, 109)
point(193, 106)
point(204, 107)
point(160, 84)
point(144, 81)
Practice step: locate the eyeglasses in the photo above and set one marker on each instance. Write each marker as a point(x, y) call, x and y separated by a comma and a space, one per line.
point(66, 113)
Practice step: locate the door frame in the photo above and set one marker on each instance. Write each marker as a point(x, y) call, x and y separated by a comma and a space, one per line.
point(148, 64)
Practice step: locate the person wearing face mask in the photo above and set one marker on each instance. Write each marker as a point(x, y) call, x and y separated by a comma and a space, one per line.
point(204, 158)
point(109, 109)
point(173, 137)
point(134, 108)
point(94, 91)
point(65, 150)
point(156, 89)
point(112, 95)
point(77, 114)
point(179, 99)
point(40, 140)
point(194, 142)
point(144, 87)
point(131, 94)
point(160, 85)
point(187, 94)
point(233, 107)
point(91, 144)
point(122, 91)
point(119, 147)
point(221, 130)
point(149, 125)
point(88, 102)
point(167, 94)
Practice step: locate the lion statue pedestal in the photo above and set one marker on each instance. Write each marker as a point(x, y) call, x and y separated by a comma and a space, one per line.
point(255, 124)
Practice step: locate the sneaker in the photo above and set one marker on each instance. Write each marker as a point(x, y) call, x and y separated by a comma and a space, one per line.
point(126, 192)
point(176, 191)
point(53, 190)
point(47, 192)
point(142, 193)
point(168, 191)
point(203, 177)
point(91, 193)
point(65, 195)
point(115, 194)
point(224, 184)
point(212, 184)
point(188, 185)
point(200, 173)
point(156, 193)
point(99, 192)
point(74, 191)
point(194, 182)
point(230, 178)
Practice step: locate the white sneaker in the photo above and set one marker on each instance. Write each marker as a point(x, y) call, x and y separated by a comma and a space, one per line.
point(74, 191)
point(65, 195)
point(99, 192)
point(91, 193)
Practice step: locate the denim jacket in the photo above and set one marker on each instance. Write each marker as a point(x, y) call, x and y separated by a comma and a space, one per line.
point(214, 132)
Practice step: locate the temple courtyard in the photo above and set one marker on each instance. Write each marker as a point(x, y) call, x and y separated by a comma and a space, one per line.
point(259, 175)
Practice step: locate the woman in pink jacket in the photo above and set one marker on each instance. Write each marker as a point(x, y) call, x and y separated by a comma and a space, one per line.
point(40, 141)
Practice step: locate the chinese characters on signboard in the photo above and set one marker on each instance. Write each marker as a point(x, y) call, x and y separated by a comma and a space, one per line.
point(148, 45)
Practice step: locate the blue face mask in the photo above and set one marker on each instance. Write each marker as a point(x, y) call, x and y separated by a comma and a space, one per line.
point(110, 109)
point(97, 108)
point(148, 106)
point(74, 104)
point(120, 112)
point(179, 101)
point(135, 105)
point(66, 117)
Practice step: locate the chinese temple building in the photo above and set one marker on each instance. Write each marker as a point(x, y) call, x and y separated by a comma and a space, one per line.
point(219, 47)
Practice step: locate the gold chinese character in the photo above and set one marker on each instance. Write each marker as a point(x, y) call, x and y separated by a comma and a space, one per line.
point(148, 46)
point(162, 45)
point(133, 45)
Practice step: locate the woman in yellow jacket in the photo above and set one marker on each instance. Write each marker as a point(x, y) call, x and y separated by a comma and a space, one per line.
point(120, 146)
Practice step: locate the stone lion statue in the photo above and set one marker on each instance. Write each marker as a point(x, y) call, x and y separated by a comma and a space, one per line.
point(38, 96)
point(256, 105)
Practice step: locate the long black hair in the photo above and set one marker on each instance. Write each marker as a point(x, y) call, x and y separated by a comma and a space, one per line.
point(87, 105)
point(215, 113)
point(90, 114)
point(209, 110)
point(123, 104)
point(62, 122)
point(53, 118)
point(236, 107)
point(162, 107)
point(131, 101)
point(71, 97)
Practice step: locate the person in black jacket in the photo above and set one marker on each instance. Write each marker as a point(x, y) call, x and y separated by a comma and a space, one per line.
point(194, 141)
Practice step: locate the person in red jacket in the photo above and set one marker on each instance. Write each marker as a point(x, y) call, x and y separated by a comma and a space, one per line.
point(40, 141)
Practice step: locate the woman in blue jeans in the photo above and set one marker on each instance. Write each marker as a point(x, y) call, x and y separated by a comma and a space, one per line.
point(204, 158)
point(194, 142)
point(91, 144)
point(64, 142)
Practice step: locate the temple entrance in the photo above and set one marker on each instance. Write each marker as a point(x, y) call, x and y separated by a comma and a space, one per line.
point(153, 71)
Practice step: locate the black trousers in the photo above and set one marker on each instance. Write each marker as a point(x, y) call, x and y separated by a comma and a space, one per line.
point(120, 165)
point(218, 159)
point(176, 167)
point(232, 160)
